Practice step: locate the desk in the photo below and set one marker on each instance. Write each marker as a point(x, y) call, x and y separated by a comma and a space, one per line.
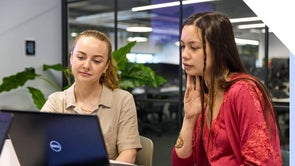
point(8, 155)
point(119, 163)
point(281, 106)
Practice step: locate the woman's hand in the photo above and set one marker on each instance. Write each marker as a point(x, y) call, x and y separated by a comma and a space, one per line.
point(192, 108)
point(192, 97)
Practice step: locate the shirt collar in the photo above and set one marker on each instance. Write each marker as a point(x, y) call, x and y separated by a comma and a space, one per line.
point(105, 98)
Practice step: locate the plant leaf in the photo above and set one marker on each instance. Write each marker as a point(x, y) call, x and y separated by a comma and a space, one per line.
point(19, 79)
point(38, 97)
point(120, 55)
point(135, 75)
point(59, 67)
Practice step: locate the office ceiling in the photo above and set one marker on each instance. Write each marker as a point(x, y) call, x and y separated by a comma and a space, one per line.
point(233, 8)
point(100, 13)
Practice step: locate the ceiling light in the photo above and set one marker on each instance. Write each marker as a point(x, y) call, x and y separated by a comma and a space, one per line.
point(244, 19)
point(249, 26)
point(246, 41)
point(74, 34)
point(168, 4)
point(140, 57)
point(139, 29)
point(137, 39)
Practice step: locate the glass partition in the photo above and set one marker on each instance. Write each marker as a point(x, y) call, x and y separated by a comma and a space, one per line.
point(155, 24)
point(90, 14)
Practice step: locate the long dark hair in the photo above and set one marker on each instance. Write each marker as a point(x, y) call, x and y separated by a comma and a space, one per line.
point(217, 30)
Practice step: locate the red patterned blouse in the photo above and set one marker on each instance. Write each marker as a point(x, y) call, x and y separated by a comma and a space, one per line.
point(238, 135)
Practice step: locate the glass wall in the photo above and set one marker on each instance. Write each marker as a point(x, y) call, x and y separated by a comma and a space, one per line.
point(156, 30)
point(158, 42)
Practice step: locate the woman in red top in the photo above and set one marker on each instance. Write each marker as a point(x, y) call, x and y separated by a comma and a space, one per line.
point(229, 117)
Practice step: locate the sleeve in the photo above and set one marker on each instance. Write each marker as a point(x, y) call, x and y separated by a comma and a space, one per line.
point(177, 161)
point(198, 156)
point(128, 134)
point(254, 138)
point(50, 104)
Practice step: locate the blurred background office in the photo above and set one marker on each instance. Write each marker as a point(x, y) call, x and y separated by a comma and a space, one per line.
point(37, 32)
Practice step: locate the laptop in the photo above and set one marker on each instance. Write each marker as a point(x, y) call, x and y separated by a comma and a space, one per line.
point(51, 139)
point(5, 120)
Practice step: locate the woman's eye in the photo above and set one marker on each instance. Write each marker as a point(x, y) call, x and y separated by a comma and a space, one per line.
point(195, 48)
point(80, 57)
point(97, 61)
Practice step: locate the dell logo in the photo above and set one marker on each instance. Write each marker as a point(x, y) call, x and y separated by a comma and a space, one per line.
point(55, 146)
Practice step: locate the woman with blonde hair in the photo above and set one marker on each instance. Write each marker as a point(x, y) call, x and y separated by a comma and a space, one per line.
point(96, 91)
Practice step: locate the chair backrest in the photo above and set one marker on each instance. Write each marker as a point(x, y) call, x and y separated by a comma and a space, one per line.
point(144, 157)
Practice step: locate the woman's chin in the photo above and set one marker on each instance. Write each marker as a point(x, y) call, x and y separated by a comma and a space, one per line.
point(192, 73)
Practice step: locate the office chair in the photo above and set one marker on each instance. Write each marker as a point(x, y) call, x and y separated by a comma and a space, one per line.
point(144, 157)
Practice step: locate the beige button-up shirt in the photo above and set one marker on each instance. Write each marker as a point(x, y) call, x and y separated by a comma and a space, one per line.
point(116, 112)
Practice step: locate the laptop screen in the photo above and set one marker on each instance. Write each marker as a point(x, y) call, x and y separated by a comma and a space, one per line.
point(41, 138)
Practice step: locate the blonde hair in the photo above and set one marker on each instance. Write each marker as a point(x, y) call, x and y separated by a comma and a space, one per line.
point(110, 77)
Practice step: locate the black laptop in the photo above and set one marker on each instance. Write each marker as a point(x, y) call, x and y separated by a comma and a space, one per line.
point(53, 139)
point(5, 120)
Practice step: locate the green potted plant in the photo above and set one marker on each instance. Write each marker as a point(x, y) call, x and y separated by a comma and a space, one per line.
point(131, 75)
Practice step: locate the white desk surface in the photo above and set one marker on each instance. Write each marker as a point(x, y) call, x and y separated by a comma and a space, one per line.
point(8, 155)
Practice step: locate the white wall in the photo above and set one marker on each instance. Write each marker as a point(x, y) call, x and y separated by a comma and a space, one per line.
point(277, 15)
point(39, 20)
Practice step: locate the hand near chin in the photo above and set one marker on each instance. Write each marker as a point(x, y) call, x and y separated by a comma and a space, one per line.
point(192, 97)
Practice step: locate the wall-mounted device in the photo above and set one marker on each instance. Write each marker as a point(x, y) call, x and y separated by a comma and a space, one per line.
point(30, 47)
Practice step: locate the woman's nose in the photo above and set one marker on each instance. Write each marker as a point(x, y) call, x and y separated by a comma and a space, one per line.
point(184, 53)
point(86, 63)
